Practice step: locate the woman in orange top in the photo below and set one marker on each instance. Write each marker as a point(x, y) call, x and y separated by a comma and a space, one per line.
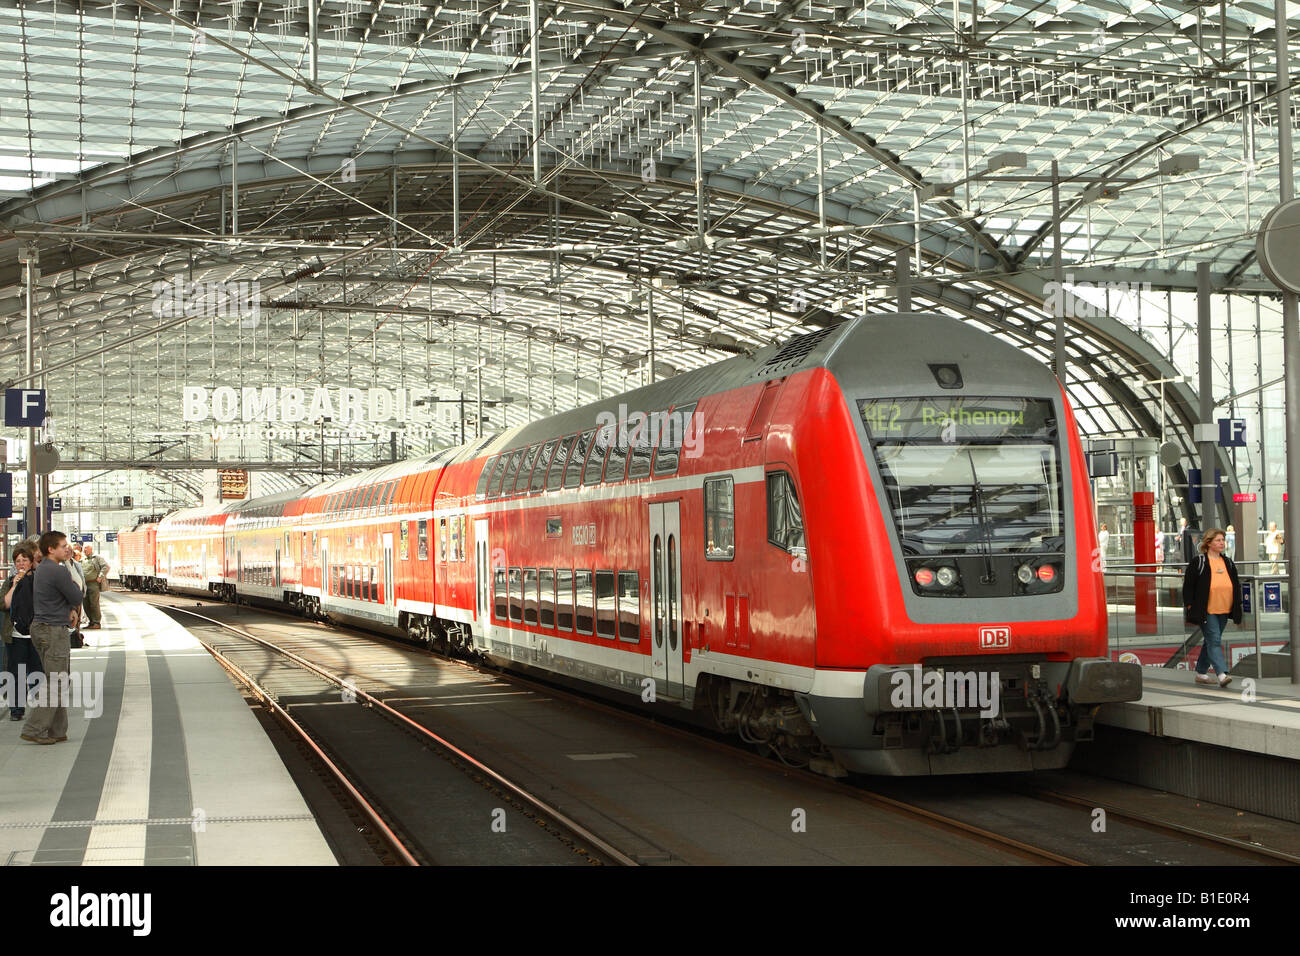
point(1211, 595)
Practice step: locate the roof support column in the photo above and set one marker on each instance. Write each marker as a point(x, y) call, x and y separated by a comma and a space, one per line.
point(313, 47)
point(1290, 341)
point(535, 30)
point(1205, 359)
point(1058, 352)
point(234, 187)
point(455, 171)
point(699, 155)
point(821, 189)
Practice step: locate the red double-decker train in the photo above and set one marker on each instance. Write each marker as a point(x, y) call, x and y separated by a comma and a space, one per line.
point(869, 548)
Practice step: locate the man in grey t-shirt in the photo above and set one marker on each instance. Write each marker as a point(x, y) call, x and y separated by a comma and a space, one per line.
point(58, 607)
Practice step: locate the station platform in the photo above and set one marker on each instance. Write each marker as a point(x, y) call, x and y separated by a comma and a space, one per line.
point(165, 765)
point(1231, 745)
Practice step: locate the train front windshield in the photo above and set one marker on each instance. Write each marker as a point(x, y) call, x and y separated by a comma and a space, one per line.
point(969, 475)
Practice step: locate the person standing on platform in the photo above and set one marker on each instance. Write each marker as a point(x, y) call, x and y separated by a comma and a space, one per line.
point(21, 659)
point(1103, 545)
point(58, 608)
point(95, 569)
point(1211, 595)
point(1271, 548)
point(79, 577)
point(1231, 537)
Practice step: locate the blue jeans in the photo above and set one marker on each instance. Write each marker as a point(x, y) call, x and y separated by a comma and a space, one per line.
point(1212, 648)
point(21, 653)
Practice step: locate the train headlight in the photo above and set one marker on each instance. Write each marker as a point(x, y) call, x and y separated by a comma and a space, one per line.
point(1025, 574)
point(1046, 573)
point(946, 577)
point(924, 577)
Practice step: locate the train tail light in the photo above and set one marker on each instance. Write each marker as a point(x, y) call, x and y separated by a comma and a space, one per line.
point(1046, 573)
point(924, 577)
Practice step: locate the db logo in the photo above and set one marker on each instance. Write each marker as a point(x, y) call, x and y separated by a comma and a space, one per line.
point(995, 637)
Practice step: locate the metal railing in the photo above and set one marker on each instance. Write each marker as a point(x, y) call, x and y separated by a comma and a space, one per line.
point(1121, 586)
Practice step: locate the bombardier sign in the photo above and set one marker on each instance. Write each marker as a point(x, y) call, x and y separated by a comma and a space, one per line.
point(292, 404)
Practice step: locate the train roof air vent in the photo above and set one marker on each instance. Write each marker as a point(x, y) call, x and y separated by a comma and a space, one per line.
point(793, 351)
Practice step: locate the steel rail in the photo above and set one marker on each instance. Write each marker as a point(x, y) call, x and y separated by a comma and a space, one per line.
point(382, 828)
point(536, 802)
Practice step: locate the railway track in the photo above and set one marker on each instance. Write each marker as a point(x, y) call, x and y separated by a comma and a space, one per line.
point(899, 797)
point(283, 676)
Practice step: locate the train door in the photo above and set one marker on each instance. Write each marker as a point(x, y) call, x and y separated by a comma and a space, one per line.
point(324, 569)
point(277, 565)
point(389, 595)
point(482, 580)
point(667, 667)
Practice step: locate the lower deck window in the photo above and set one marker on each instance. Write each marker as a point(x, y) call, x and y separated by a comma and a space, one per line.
point(546, 611)
point(564, 599)
point(605, 604)
point(499, 594)
point(516, 595)
point(530, 596)
point(586, 604)
point(629, 607)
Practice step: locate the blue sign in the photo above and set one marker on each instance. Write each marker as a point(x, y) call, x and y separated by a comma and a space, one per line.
point(6, 494)
point(1245, 597)
point(24, 407)
point(1273, 596)
point(1232, 433)
point(1194, 482)
point(56, 504)
point(109, 536)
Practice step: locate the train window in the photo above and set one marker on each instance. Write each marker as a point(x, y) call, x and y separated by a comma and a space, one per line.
point(422, 538)
point(508, 484)
point(456, 529)
point(526, 469)
point(585, 617)
point(555, 478)
point(484, 477)
point(442, 539)
point(543, 463)
point(573, 474)
point(641, 439)
point(374, 587)
point(498, 470)
point(680, 431)
point(616, 464)
point(392, 493)
point(530, 596)
point(367, 582)
point(516, 595)
point(629, 607)
point(546, 590)
point(596, 460)
point(719, 519)
point(564, 599)
point(499, 594)
point(784, 517)
point(606, 609)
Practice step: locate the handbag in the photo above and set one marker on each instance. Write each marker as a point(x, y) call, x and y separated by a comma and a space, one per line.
point(76, 640)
